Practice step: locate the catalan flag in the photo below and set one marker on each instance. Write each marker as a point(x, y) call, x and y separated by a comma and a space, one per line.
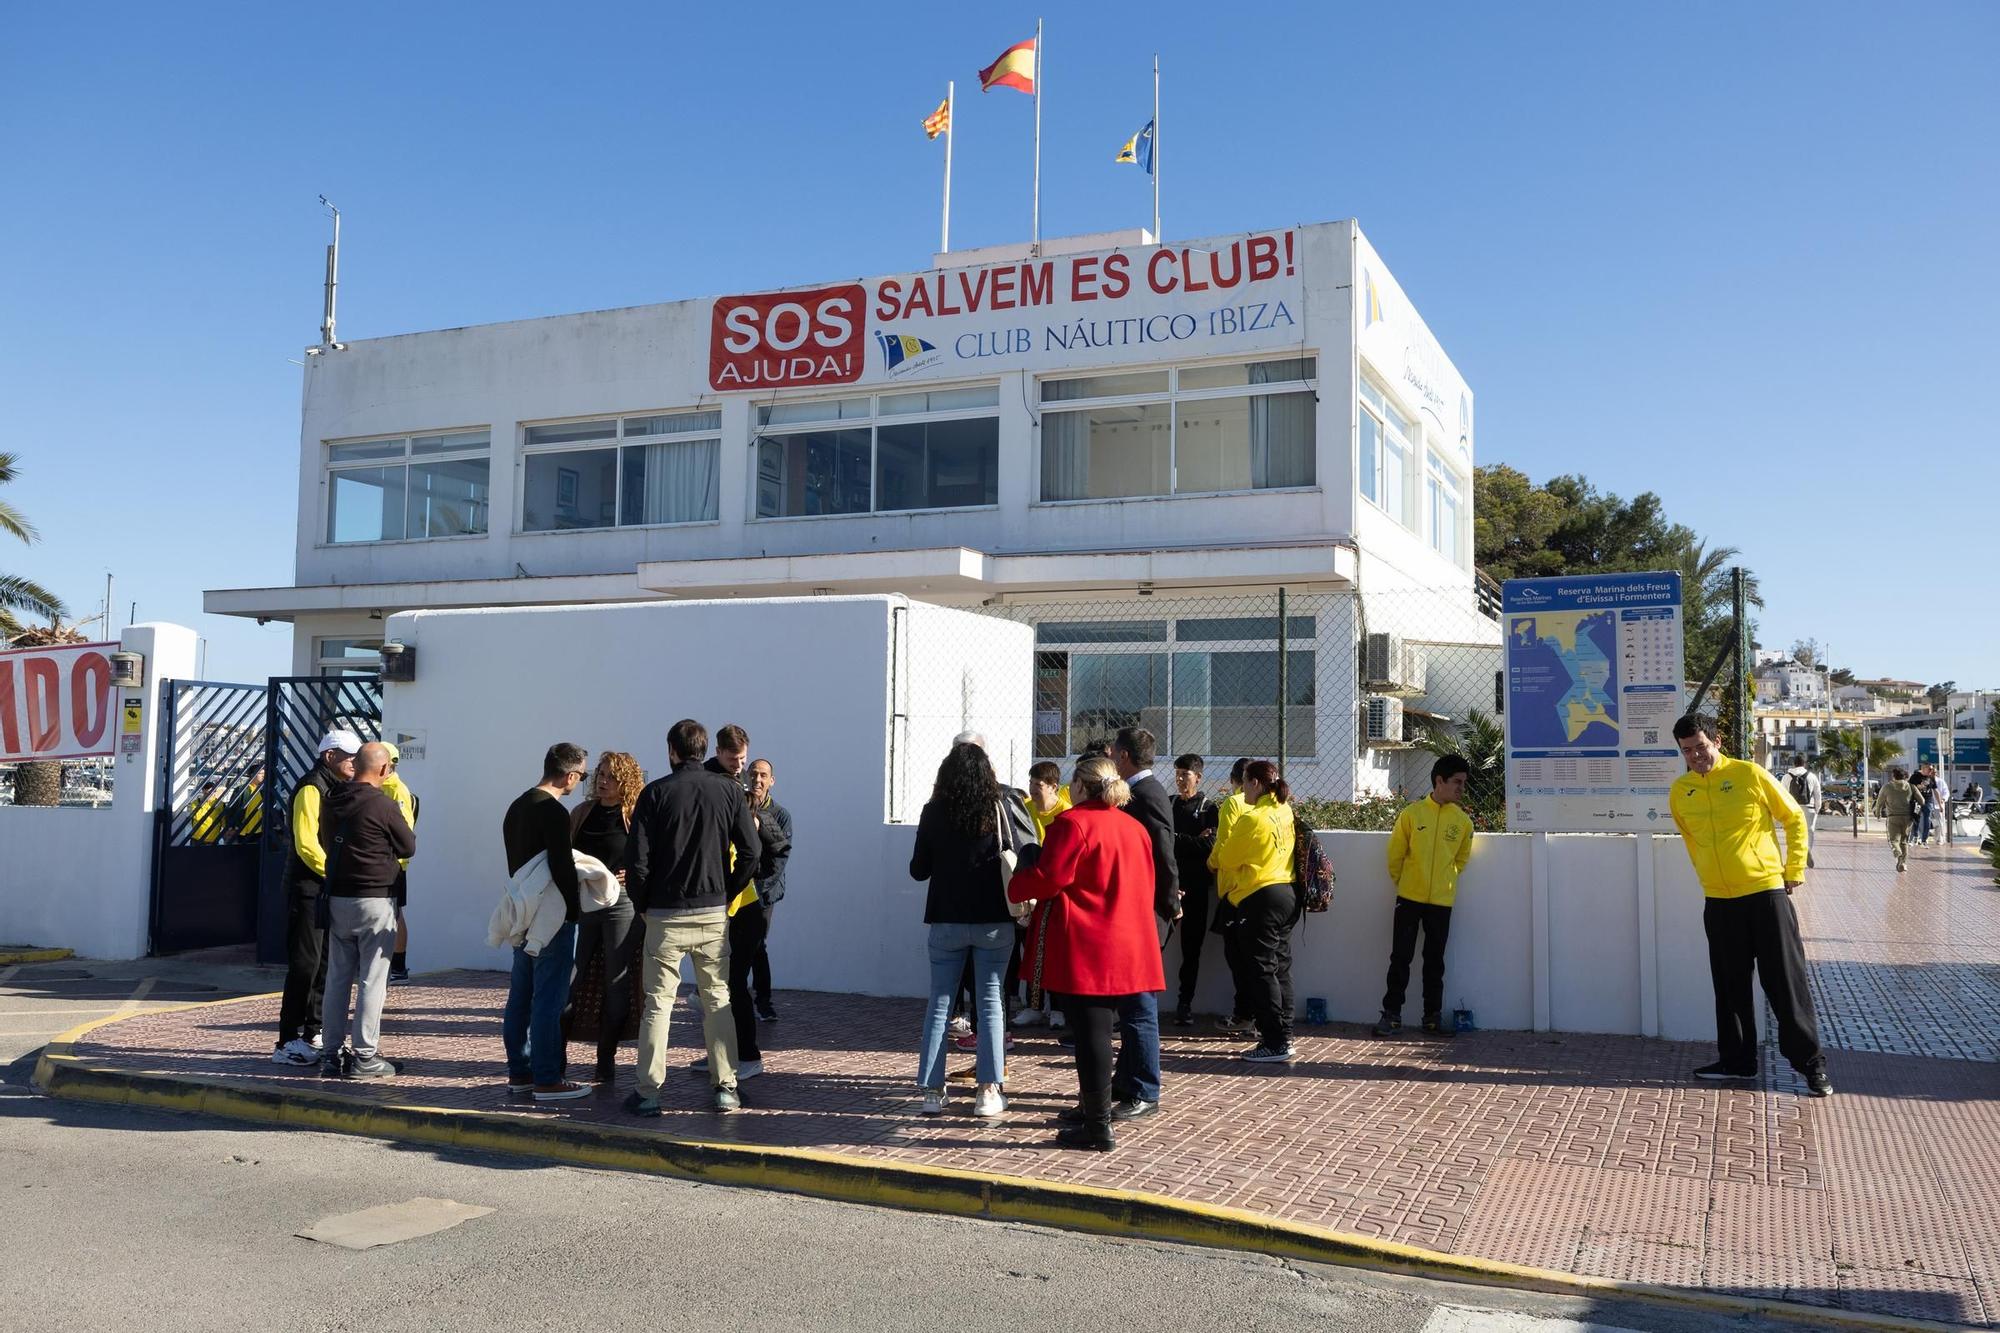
point(1014, 69)
point(939, 121)
point(1139, 149)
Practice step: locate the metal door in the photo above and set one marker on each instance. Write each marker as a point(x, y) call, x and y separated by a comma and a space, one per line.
point(299, 710)
point(206, 820)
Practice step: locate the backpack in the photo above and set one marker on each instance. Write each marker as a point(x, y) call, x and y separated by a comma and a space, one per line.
point(1801, 785)
point(1312, 873)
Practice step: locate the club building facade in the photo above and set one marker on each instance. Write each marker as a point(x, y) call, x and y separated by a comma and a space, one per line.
point(1130, 445)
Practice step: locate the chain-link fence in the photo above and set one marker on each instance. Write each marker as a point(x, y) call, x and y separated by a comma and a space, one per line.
point(1353, 694)
point(72, 782)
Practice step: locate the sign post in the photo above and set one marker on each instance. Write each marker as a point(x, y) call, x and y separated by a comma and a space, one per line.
point(1595, 678)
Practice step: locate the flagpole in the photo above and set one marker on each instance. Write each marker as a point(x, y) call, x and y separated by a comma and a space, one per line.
point(1156, 148)
point(1036, 234)
point(950, 130)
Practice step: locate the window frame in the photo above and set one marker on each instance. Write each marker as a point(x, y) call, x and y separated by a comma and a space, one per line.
point(874, 418)
point(617, 442)
point(1439, 472)
point(407, 458)
point(1412, 440)
point(1172, 396)
point(332, 666)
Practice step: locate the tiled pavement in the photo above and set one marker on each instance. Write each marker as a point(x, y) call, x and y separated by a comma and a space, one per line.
point(1593, 1155)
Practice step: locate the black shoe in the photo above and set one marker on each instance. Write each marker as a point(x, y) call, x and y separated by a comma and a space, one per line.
point(1390, 1025)
point(606, 1073)
point(1086, 1138)
point(1184, 1017)
point(1818, 1084)
point(767, 1011)
point(337, 1064)
point(1070, 1115)
point(1434, 1027)
point(1134, 1109)
point(398, 975)
point(1722, 1073)
point(640, 1106)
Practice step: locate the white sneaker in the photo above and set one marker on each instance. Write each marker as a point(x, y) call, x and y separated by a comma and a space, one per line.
point(1025, 1017)
point(1055, 1018)
point(294, 1052)
point(959, 1026)
point(933, 1101)
point(748, 1069)
point(989, 1103)
point(316, 1042)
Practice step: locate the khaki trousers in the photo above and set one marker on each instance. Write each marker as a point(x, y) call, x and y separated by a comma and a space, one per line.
point(1899, 837)
point(668, 940)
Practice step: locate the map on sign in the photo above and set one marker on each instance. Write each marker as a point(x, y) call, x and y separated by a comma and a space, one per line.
point(1594, 682)
point(1564, 668)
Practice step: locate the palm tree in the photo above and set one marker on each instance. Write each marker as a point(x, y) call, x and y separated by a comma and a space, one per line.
point(19, 594)
point(1481, 742)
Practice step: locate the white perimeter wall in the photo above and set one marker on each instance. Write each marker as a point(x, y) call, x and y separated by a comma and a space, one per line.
point(808, 678)
point(81, 879)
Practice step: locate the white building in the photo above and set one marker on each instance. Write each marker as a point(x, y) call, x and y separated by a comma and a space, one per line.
point(1131, 446)
point(1791, 683)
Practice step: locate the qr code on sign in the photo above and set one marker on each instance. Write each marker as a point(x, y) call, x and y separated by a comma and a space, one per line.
point(1652, 737)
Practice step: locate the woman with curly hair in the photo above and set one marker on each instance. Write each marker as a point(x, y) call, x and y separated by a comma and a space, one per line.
point(601, 826)
point(959, 842)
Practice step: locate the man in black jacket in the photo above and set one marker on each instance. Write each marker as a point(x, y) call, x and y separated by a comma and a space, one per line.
point(694, 848)
point(538, 988)
point(364, 834)
point(774, 826)
point(305, 870)
point(1194, 838)
point(1135, 1079)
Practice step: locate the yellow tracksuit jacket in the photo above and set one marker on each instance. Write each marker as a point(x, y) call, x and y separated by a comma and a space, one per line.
point(1255, 852)
point(1227, 810)
point(1729, 818)
point(1428, 847)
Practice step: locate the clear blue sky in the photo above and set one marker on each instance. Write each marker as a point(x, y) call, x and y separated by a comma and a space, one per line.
point(1739, 255)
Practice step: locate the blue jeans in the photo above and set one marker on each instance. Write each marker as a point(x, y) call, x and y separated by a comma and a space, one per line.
point(988, 945)
point(1923, 829)
point(1136, 1075)
point(531, 1027)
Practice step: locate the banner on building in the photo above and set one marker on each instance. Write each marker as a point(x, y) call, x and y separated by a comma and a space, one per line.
point(1595, 681)
point(57, 703)
point(1966, 751)
point(1068, 312)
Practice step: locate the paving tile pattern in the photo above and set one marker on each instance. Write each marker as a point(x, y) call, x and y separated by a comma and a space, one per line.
point(1588, 1154)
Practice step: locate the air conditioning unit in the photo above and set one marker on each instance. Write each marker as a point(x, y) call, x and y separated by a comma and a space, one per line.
point(1382, 720)
point(1381, 660)
point(1389, 666)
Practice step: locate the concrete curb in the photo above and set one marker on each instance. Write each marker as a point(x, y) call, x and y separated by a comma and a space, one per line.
point(1125, 1214)
point(8, 957)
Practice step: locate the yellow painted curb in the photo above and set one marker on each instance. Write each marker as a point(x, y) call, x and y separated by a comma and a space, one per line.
point(1126, 1214)
point(8, 957)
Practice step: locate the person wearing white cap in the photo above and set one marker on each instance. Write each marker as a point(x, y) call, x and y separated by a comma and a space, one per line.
point(300, 1009)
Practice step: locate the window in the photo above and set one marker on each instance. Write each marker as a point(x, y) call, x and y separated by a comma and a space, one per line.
point(1247, 426)
point(1441, 496)
point(1385, 453)
point(348, 657)
point(622, 471)
point(410, 486)
point(1202, 684)
point(935, 449)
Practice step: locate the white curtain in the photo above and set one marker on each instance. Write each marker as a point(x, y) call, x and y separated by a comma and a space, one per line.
point(1065, 455)
point(683, 481)
point(1281, 439)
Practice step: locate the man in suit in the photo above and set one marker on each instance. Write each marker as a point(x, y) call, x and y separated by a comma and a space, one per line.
point(1135, 1082)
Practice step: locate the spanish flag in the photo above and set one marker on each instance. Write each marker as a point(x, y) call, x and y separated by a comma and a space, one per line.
point(939, 121)
point(1014, 69)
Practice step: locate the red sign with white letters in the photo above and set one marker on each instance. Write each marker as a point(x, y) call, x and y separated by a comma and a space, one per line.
point(57, 703)
point(788, 340)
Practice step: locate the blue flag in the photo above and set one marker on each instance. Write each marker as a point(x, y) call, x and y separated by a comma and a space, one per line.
point(1139, 149)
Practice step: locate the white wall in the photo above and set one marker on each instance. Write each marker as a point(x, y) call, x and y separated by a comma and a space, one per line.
point(82, 879)
point(1594, 963)
point(808, 678)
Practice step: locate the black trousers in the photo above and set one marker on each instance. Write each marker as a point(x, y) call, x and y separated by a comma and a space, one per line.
point(1228, 923)
point(746, 939)
point(305, 969)
point(1435, 922)
point(1760, 930)
point(760, 962)
point(1196, 905)
point(616, 933)
point(1268, 917)
point(1092, 1018)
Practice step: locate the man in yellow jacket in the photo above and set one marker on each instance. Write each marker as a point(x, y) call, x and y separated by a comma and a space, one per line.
point(1728, 812)
point(1430, 844)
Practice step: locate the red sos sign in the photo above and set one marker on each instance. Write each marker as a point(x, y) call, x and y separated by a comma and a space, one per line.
point(784, 340)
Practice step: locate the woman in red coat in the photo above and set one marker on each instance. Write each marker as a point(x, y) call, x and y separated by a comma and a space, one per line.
point(1095, 943)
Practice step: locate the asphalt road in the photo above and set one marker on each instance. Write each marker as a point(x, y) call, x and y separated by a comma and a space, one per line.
point(112, 1217)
